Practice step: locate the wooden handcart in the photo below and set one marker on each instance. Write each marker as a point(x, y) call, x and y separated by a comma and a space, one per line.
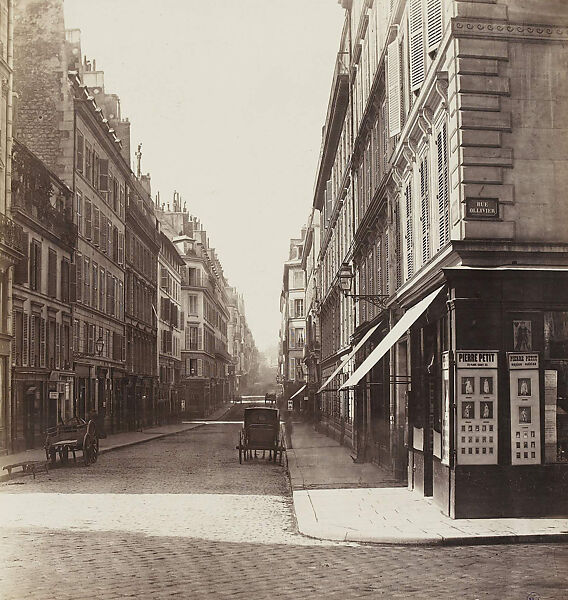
point(67, 438)
point(261, 431)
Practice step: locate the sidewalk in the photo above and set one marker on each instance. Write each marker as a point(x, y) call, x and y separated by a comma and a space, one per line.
point(337, 499)
point(115, 441)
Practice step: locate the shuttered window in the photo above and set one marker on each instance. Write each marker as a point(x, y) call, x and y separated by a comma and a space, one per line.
point(88, 162)
point(393, 81)
point(425, 210)
point(103, 175)
point(58, 360)
point(52, 273)
point(96, 226)
point(35, 266)
point(434, 24)
point(87, 281)
point(80, 152)
point(25, 340)
point(443, 191)
point(121, 248)
point(95, 289)
point(79, 211)
point(102, 280)
point(64, 280)
point(104, 233)
point(21, 270)
point(88, 230)
point(409, 242)
point(42, 345)
point(416, 31)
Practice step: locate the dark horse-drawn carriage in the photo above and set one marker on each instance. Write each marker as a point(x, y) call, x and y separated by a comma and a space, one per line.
point(261, 431)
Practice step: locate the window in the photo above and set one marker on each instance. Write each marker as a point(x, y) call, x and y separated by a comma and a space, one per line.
point(80, 152)
point(292, 368)
point(194, 276)
point(103, 175)
point(443, 195)
point(96, 226)
point(298, 307)
point(35, 266)
point(102, 288)
point(425, 210)
point(192, 304)
point(79, 211)
point(88, 162)
point(52, 273)
point(95, 290)
point(87, 281)
point(408, 231)
point(88, 219)
point(65, 280)
point(298, 279)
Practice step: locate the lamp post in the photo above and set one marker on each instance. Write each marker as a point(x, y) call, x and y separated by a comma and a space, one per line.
point(99, 346)
point(345, 278)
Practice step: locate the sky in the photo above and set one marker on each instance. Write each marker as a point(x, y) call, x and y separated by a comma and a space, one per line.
point(228, 98)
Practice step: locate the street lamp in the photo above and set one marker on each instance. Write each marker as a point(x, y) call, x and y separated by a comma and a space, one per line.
point(345, 277)
point(99, 346)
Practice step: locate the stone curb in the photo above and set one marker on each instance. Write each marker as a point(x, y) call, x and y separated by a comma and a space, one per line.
point(306, 519)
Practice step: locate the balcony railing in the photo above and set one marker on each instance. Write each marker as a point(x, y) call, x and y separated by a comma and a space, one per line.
point(11, 234)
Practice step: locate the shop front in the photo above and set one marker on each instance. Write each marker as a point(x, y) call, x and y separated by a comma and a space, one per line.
point(488, 408)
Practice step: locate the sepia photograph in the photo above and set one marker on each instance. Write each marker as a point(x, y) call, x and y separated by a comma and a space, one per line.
point(283, 299)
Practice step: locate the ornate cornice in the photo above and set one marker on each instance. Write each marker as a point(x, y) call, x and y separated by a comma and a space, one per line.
point(501, 29)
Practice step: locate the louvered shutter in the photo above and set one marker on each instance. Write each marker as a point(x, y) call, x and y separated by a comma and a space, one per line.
point(408, 231)
point(398, 247)
point(199, 338)
point(33, 333)
point(200, 367)
point(79, 277)
point(13, 341)
point(58, 345)
point(25, 340)
point(104, 235)
point(434, 24)
point(91, 342)
point(387, 262)
point(52, 273)
point(80, 153)
point(21, 270)
point(103, 175)
point(72, 282)
point(393, 75)
point(87, 281)
point(88, 219)
point(425, 210)
point(416, 34)
point(121, 248)
point(42, 346)
point(96, 226)
point(443, 197)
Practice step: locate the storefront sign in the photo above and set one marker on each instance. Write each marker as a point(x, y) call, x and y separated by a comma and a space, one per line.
point(522, 360)
point(476, 359)
point(481, 208)
point(53, 395)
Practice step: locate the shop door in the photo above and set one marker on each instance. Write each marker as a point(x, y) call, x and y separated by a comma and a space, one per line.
point(31, 416)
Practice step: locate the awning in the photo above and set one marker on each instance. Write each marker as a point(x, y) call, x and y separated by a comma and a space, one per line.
point(300, 390)
point(349, 356)
point(408, 319)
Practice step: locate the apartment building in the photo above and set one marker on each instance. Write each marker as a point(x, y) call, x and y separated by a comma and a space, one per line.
point(170, 329)
point(42, 295)
point(11, 235)
point(442, 255)
point(293, 327)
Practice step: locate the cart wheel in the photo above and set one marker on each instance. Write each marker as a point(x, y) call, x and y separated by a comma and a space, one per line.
point(95, 450)
point(87, 449)
point(51, 455)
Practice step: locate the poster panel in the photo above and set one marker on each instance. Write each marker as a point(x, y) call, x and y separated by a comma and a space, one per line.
point(476, 393)
point(525, 408)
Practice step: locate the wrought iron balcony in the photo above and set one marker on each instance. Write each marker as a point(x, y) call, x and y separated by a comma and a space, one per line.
point(11, 237)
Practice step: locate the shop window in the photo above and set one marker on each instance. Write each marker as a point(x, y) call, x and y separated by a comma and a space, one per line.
point(556, 386)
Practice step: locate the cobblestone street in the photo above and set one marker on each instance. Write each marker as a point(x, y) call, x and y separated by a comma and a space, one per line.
point(179, 517)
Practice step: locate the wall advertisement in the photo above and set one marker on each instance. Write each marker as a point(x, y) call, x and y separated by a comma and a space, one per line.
point(525, 408)
point(476, 393)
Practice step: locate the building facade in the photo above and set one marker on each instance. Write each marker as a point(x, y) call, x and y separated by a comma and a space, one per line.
point(42, 321)
point(170, 329)
point(293, 327)
point(11, 235)
point(445, 353)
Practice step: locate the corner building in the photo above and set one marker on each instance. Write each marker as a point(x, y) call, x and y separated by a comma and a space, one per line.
point(441, 189)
